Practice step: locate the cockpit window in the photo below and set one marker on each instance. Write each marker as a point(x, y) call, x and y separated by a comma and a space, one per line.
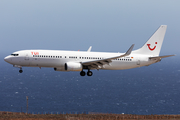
point(14, 54)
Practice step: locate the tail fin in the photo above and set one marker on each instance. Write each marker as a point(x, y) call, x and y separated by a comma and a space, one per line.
point(153, 45)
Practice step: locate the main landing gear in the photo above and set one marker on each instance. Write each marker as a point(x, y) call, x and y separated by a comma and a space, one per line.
point(89, 73)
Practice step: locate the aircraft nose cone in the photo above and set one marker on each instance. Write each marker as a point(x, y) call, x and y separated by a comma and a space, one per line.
point(7, 59)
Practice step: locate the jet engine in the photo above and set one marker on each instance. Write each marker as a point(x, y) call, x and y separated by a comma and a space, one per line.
point(72, 66)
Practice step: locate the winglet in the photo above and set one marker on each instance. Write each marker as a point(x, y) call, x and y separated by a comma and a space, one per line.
point(130, 50)
point(89, 50)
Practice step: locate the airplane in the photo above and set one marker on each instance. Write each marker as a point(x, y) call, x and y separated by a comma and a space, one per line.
point(86, 60)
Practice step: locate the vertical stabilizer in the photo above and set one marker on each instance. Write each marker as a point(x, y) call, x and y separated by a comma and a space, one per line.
point(153, 45)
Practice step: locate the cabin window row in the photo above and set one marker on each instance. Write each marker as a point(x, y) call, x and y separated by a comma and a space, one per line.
point(124, 59)
point(47, 56)
point(90, 58)
point(73, 57)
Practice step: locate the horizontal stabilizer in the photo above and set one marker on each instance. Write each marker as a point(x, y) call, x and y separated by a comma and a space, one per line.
point(159, 57)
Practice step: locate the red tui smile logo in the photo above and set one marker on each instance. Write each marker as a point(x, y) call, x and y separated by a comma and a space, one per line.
point(150, 47)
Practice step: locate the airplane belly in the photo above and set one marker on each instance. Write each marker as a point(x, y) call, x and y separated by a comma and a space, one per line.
point(120, 65)
point(37, 62)
point(20, 61)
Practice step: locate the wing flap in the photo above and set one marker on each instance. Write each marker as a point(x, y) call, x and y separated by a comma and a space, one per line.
point(96, 64)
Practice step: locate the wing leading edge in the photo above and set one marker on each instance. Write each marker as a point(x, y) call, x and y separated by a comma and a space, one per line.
point(97, 64)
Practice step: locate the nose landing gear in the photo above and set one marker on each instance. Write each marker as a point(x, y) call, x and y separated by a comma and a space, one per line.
point(17, 66)
point(20, 71)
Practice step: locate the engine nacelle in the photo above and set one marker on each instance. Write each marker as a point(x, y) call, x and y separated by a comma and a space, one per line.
point(72, 66)
point(59, 69)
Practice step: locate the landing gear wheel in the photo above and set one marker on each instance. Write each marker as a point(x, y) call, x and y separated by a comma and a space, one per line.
point(82, 73)
point(20, 71)
point(89, 73)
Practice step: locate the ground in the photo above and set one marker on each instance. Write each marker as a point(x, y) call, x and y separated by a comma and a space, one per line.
point(90, 116)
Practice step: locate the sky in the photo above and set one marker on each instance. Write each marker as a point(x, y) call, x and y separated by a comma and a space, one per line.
point(106, 25)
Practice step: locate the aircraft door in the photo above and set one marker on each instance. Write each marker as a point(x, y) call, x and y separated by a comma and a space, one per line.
point(138, 61)
point(26, 57)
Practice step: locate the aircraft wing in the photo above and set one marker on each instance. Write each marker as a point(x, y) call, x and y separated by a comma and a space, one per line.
point(96, 64)
point(160, 57)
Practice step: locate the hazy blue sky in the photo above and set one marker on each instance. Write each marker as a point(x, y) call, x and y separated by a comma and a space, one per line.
point(107, 25)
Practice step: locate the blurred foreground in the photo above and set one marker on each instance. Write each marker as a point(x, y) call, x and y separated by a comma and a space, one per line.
point(82, 116)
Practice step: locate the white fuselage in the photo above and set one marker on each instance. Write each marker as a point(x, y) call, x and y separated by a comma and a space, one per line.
point(57, 59)
point(78, 60)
